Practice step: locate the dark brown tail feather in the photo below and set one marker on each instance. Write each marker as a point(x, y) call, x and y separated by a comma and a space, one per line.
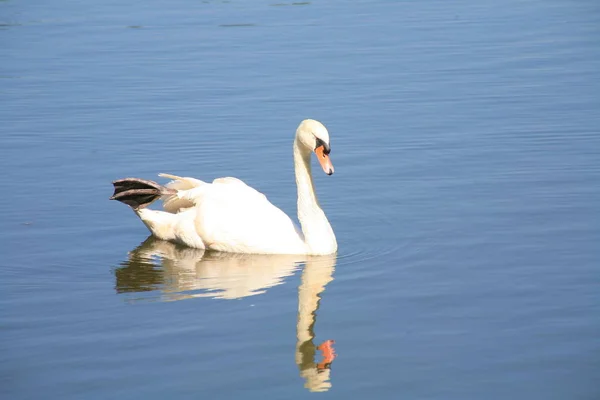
point(138, 193)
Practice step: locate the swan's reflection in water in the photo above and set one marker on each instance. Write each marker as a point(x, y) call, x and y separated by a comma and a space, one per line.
point(182, 273)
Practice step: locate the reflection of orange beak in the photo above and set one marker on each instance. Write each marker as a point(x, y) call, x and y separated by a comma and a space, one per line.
point(324, 160)
point(328, 354)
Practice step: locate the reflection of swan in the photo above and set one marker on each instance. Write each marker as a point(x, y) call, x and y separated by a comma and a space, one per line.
point(190, 273)
point(316, 275)
point(230, 216)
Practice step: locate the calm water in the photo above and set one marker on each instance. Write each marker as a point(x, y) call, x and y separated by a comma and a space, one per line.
point(465, 137)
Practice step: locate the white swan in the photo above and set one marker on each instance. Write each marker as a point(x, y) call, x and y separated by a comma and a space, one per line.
point(230, 216)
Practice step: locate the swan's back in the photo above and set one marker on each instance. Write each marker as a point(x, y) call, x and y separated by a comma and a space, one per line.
point(234, 217)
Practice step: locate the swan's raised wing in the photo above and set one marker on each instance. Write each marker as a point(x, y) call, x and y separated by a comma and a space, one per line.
point(173, 203)
point(232, 216)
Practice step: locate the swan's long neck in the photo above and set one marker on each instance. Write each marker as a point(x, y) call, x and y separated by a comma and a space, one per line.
point(318, 235)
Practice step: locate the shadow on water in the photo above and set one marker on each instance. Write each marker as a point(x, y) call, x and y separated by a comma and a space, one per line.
point(181, 273)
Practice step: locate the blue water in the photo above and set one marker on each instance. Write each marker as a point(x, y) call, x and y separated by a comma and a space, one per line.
point(465, 137)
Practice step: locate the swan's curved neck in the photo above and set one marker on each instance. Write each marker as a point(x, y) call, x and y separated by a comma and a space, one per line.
point(318, 235)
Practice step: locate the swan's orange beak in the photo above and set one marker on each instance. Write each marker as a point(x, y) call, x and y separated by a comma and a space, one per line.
point(324, 160)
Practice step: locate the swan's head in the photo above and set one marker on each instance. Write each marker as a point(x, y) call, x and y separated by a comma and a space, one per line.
point(314, 136)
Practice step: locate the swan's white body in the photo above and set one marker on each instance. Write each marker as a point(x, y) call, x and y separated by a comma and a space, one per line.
point(228, 215)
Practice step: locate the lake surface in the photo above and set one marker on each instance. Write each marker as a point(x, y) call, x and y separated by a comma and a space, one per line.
point(465, 137)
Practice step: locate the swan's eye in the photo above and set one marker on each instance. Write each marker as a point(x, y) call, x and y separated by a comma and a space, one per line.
point(326, 148)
